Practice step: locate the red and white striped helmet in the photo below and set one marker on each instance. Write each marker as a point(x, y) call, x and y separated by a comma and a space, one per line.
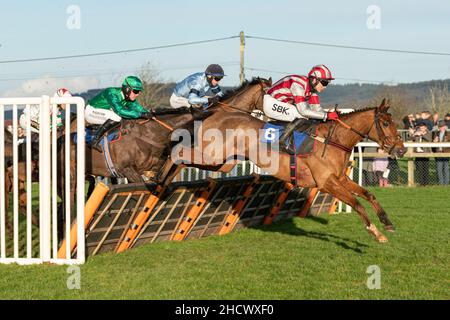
point(62, 92)
point(321, 71)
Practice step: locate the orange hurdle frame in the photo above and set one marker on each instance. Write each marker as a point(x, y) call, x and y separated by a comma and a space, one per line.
point(233, 217)
point(279, 203)
point(90, 208)
point(141, 218)
point(309, 202)
point(194, 212)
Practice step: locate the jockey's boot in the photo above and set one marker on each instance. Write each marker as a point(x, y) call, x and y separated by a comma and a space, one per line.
point(284, 140)
point(105, 127)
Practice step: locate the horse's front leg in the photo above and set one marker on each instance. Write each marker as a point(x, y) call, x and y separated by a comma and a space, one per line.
point(334, 187)
point(132, 175)
point(355, 188)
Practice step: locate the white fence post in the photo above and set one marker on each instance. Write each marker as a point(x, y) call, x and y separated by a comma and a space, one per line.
point(44, 179)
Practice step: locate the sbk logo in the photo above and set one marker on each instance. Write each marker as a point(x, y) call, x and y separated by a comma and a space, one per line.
point(280, 109)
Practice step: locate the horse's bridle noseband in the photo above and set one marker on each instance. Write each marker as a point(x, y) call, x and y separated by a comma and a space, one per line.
point(385, 140)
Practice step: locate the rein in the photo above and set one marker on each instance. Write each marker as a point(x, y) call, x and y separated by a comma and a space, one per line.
point(328, 140)
point(380, 133)
point(162, 123)
point(352, 129)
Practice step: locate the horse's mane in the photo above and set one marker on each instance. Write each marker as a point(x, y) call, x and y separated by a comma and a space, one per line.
point(242, 87)
point(359, 111)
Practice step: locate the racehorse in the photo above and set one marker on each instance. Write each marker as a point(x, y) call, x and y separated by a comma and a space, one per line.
point(21, 178)
point(325, 171)
point(144, 146)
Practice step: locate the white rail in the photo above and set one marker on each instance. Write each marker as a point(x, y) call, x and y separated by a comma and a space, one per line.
point(47, 183)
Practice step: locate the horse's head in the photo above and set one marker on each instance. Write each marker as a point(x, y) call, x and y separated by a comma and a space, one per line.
point(249, 95)
point(385, 133)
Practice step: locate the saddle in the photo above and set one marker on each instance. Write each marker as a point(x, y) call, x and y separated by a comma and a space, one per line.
point(299, 140)
point(308, 127)
point(113, 135)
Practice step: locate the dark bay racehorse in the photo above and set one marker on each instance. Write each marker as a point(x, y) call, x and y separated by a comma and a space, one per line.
point(327, 173)
point(143, 147)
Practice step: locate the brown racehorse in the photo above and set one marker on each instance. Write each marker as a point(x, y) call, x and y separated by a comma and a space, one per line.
point(246, 98)
point(324, 172)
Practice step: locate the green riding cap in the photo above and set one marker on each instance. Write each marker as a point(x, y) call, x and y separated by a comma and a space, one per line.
point(133, 82)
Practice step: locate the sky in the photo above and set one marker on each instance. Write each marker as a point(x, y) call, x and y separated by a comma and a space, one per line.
point(44, 28)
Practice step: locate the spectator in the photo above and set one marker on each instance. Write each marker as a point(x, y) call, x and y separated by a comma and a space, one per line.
point(426, 118)
point(418, 117)
point(447, 120)
point(369, 178)
point(435, 118)
point(380, 167)
point(409, 121)
point(422, 165)
point(395, 177)
point(442, 166)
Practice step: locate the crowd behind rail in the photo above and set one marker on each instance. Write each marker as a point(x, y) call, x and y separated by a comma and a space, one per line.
point(433, 169)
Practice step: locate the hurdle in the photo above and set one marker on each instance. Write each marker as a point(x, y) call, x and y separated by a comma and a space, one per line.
point(122, 217)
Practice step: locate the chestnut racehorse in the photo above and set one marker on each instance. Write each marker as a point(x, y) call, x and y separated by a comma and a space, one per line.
point(325, 171)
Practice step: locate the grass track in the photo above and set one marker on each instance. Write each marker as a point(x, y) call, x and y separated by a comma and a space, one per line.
point(320, 258)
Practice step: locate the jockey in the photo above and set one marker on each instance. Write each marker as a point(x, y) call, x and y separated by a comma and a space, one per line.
point(112, 104)
point(301, 94)
point(193, 89)
point(35, 111)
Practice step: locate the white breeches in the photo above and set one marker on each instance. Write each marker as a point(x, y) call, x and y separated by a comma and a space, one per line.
point(278, 110)
point(99, 116)
point(178, 102)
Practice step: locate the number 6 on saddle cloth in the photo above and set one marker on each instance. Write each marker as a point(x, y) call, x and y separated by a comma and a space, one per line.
point(303, 143)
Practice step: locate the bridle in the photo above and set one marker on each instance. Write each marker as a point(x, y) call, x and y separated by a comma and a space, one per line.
point(386, 142)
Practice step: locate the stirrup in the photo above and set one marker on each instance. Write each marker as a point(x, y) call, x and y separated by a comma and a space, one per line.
point(96, 145)
point(286, 145)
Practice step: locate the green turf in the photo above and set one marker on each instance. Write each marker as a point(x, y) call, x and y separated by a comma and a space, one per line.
point(320, 258)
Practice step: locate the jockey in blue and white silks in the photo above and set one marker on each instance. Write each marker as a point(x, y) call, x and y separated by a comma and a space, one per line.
point(193, 89)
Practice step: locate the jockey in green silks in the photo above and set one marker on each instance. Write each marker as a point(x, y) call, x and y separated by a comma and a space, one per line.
point(112, 104)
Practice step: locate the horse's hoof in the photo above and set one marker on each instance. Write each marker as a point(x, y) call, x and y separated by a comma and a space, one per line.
point(382, 239)
point(389, 228)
